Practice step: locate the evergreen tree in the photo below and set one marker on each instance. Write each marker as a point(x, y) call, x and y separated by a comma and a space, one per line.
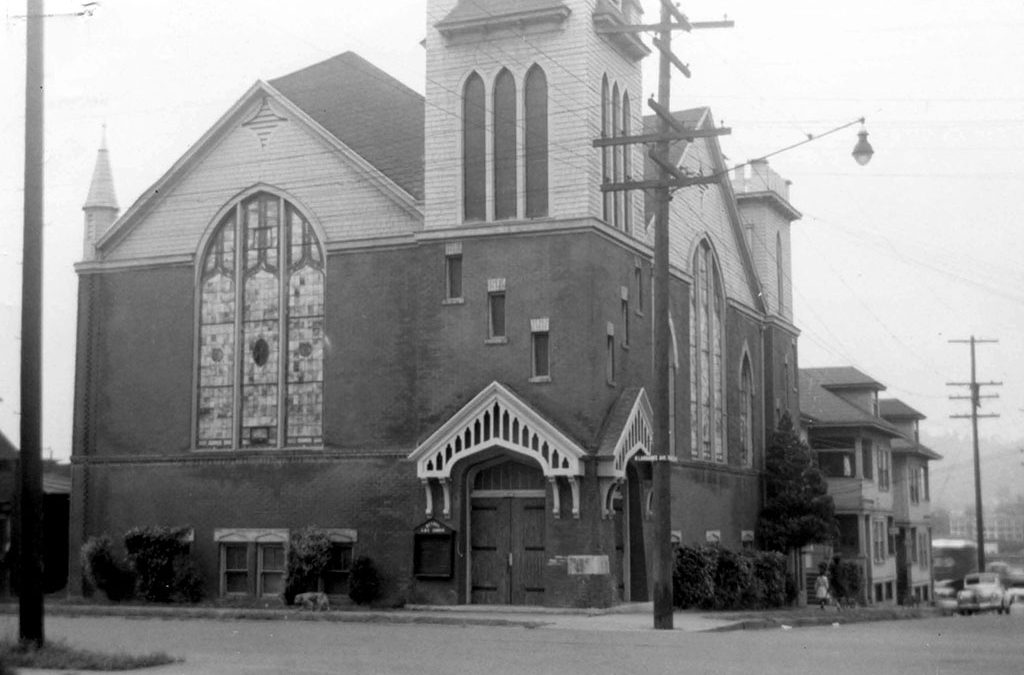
point(798, 509)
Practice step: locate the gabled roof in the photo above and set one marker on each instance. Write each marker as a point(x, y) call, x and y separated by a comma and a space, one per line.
point(823, 408)
point(7, 449)
point(895, 409)
point(367, 110)
point(906, 446)
point(628, 431)
point(389, 129)
point(842, 377)
point(700, 118)
point(498, 417)
point(694, 118)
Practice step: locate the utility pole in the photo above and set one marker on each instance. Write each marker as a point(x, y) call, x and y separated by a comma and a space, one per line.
point(669, 177)
point(30, 582)
point(975, 399)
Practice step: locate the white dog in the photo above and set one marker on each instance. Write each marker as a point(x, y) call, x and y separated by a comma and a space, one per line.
point(313, 601)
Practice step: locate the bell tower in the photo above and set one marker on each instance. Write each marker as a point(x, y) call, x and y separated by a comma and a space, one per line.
point(516, 93)
point(101, 209)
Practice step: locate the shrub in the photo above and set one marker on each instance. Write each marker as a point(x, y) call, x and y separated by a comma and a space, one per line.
point(847, 580)
point(693, 578)
point(770, 574)
point(709, 577)
point(160, 557)
point(363, 581)
point(309, 554)
point(106, 571)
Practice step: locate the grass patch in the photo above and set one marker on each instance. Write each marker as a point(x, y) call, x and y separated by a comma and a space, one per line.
point(56, 655)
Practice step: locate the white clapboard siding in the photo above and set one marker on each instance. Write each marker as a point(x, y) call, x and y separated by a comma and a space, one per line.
point(326, 185)
point(574, 59)
point(700, 211)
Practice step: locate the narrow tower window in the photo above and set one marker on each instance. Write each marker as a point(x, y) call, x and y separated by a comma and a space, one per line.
point(505, 187)
point(474, 174)
point(536, 142)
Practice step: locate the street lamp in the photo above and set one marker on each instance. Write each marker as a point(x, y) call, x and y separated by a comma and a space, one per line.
point(863, 151)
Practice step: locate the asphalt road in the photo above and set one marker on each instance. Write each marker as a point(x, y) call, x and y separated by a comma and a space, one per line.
point(975, 645)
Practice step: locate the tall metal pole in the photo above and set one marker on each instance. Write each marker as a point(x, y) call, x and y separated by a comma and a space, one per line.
point(30, 586)
point(979, 520)
point(975, 398)
point(662, 567)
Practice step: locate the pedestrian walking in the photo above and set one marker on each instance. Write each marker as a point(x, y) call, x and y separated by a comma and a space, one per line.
point(821, 589)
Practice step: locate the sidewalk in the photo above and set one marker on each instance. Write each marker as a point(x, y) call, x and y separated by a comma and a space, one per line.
point(625, 617)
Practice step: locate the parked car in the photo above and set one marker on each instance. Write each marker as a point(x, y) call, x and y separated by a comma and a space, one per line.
point(983, 592)
point(1016, 596)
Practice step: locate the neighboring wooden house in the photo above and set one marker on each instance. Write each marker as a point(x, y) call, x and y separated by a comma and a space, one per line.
point(877, 475)
point(418, 323)
point(56, 501)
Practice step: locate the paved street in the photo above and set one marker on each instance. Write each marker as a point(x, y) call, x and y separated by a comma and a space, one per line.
point(984, 644)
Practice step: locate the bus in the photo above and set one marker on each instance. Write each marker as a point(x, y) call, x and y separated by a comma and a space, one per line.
point(952, 559)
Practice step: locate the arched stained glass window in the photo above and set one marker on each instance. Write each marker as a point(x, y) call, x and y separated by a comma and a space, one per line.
point(474, 163)
point(261, 328)
point(707, 393)
point(536, 142)
point(505, 187)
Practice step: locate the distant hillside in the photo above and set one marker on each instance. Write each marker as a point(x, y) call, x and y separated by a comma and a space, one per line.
point(952, 477)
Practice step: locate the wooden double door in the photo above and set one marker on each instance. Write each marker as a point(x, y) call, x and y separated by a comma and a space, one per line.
point(507, 550)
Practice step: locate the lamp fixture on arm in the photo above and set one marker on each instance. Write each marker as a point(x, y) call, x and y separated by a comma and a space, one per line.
point(863, 151)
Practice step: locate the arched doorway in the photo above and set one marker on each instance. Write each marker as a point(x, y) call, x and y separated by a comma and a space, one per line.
point(630, 563)
point(506, 529)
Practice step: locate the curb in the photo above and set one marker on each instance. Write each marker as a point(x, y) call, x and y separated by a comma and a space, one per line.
point(835, 620)
point(245, 614)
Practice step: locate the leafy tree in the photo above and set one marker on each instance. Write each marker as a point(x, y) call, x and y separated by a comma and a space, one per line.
point(309, 554)
point(798, 509)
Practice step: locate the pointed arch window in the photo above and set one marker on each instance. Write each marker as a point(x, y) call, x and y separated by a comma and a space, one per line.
point(474, 163)
point(261, 316)
point(505, 188)
point(535, 95)
point(780, 277)
point(707, 399)
point(627, 167)
point(746, 413)
point(606, 153)
point(616, 158)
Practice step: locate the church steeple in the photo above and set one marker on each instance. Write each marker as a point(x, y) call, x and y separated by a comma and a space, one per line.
point(101, 209)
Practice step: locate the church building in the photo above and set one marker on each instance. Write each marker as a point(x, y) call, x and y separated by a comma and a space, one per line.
point(418, 323)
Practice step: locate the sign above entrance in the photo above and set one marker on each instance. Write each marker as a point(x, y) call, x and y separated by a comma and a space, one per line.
point(433, 526)
point(433, 551)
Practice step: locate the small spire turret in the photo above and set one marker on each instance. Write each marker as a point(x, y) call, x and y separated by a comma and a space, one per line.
point(101, 209)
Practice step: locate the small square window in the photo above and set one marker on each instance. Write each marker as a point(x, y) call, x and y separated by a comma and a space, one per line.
point(541, 355)
point(453, 276)
point(496, 315)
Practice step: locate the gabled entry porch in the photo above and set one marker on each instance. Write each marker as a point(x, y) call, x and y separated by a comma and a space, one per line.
point(538, 520)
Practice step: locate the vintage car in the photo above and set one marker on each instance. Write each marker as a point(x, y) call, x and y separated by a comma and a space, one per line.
point(983, 592)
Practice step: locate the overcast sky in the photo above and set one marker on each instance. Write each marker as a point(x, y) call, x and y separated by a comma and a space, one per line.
point(891, 260)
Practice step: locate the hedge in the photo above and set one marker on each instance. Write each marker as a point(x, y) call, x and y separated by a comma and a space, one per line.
point(709, 577)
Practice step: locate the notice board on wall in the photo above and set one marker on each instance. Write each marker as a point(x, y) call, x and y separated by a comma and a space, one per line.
point(433, 551)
